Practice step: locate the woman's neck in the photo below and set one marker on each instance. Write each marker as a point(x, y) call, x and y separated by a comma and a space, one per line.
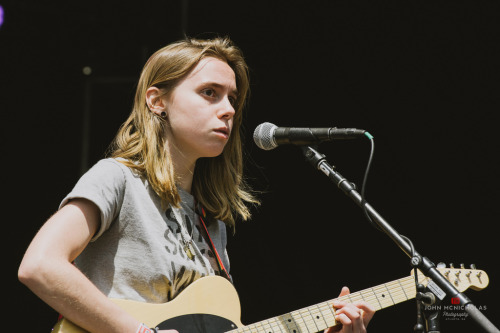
point(185, 179)
point(184, 171)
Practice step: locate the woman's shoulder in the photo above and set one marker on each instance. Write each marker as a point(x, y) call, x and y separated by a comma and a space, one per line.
point(117, 162)
point(111, 164)
point(109, 170)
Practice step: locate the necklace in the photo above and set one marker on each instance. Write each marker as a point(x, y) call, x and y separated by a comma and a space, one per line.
point(187, 239)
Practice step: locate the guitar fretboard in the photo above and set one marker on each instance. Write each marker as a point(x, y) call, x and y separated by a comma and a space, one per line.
point(318, 317)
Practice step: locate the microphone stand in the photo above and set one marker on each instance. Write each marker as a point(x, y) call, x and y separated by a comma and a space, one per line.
point(427, 267)
point(428, 309)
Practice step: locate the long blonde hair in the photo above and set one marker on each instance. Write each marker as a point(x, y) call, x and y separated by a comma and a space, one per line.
point(218, 182)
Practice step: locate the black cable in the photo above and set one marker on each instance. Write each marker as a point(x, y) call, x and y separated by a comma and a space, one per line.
point(365, 179)
point(365, 210)
point(414, 259)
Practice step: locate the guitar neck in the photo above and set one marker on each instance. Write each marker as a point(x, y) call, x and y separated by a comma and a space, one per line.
point(318, 317)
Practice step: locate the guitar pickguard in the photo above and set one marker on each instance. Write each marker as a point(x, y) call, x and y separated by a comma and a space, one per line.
point(198, 323)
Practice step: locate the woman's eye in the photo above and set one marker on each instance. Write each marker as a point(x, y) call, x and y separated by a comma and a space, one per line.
point(209, 92)
point(232, 100)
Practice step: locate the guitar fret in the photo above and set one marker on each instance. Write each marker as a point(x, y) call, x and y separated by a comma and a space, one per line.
point(399, 281)
point(378, 301)
point(294, 324)
point(374, 298)
point(363, 297)
point(383, 291)
point(395, 292)
point(329, 317)
point(280, 326)
point(319, 318)
point(273, 327)
point(290, 323)
point(353, 297)
point(368, 296)
point(250, 328)
point(261, 324)
point(268, 326)
point(303, 318)
point(310, 322)
point(311, 318)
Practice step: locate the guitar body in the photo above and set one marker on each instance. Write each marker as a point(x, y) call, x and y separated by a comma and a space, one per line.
point(210, 304)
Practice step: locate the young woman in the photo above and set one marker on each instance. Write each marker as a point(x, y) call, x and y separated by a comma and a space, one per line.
point(131, 227)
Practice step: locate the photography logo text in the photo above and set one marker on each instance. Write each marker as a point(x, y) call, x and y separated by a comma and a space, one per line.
point(454, 310)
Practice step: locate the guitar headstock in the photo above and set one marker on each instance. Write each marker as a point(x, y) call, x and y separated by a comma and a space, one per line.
point(461, 278)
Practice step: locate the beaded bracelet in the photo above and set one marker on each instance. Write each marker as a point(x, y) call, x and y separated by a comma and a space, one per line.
point(144, 329)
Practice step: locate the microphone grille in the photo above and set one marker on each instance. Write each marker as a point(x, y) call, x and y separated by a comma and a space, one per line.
point(264, 136)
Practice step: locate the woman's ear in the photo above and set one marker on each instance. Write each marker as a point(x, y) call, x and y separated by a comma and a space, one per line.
point(156, 101)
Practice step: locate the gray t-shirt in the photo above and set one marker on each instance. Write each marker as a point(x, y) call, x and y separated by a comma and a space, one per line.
point(138, 252)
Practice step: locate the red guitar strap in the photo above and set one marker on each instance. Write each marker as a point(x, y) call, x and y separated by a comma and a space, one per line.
point(203, 216)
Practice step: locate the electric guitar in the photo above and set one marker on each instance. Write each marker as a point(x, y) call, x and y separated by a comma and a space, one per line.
point(211, 305)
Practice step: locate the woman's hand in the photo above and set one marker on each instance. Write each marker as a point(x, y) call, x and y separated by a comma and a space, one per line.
point(353, 317)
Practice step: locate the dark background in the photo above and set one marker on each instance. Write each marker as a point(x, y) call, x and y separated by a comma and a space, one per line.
point(420, 76)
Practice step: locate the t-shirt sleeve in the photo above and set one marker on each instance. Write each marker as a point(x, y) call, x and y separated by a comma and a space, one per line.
point(104, 185)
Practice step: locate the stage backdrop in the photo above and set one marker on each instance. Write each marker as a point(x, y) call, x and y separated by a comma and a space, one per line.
point(421, 77)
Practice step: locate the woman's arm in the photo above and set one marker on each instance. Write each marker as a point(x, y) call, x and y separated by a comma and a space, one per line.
point(48, 271)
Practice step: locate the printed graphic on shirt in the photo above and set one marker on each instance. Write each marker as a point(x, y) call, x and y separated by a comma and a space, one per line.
point(186, 271)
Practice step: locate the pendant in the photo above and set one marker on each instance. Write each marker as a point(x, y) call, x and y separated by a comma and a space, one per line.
point(189, 251)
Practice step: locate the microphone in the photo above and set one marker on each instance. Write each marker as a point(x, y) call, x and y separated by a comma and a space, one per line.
point(268, 136)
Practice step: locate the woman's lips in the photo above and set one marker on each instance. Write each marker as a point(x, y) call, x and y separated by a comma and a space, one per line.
point(223, 131)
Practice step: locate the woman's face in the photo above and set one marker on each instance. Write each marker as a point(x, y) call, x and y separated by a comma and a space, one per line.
point(200, 110)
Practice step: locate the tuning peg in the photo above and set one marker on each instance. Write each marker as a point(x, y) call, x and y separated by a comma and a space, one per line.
point(451, 265)
point(472, 266)
point(441, 265)
point(462, 266)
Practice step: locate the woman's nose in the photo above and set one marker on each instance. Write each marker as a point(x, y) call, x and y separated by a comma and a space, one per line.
point(226, 109)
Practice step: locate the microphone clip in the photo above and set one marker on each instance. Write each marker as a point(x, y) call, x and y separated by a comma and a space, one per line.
point(319, 162)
